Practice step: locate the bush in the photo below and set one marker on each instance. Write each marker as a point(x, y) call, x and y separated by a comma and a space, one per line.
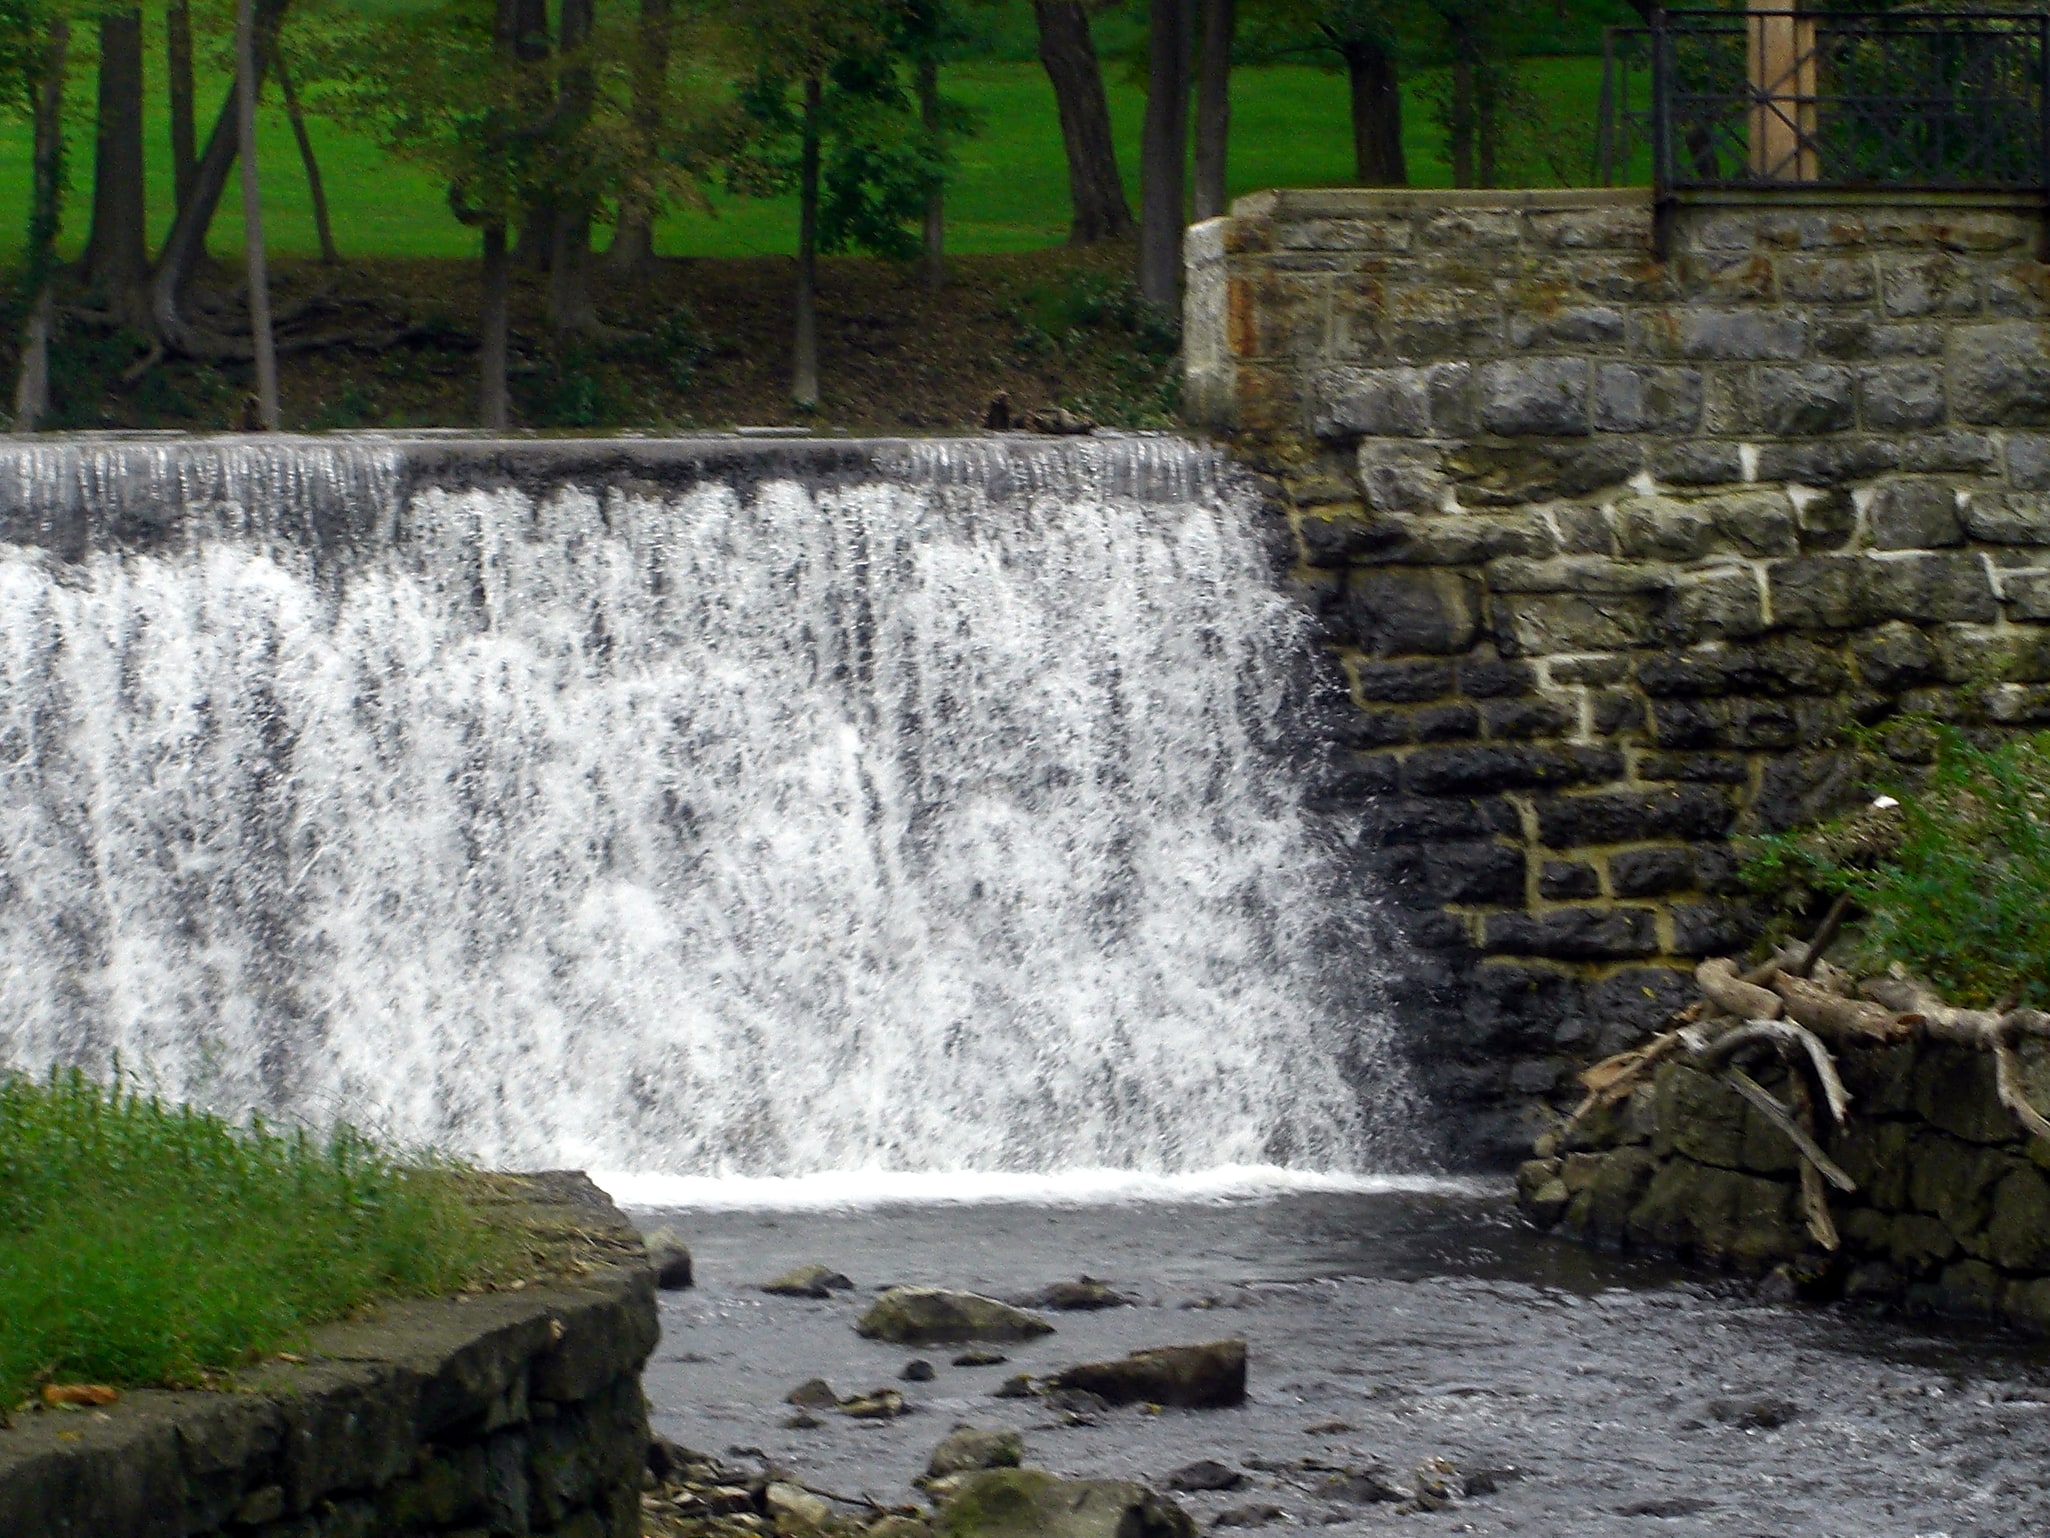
point(142, 1243)
point(1964, 900)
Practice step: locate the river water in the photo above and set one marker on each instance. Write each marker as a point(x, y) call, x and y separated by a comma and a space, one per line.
point(1596, 1395)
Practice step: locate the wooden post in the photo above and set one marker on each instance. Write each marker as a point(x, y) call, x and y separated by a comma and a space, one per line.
point(1780, 64)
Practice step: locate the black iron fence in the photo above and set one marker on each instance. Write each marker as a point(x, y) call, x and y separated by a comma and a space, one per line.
point(1725, 99)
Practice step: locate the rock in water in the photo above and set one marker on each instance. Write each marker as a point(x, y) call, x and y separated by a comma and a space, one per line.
point(670, 1257)
point(928, 1316)
point(1085, 1292)
point(1031, 1503)
point(917, 1370)
point(795, 1509)
point(1018, 1386)
point(813, 1394)
point(979, 1357)
point(969, 1449)
point(1205, 1474)
point(882, 1405)
point(1206, 1377)
point(808, 1282)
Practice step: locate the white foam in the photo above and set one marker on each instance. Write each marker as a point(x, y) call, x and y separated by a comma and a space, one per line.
point(843, 1189)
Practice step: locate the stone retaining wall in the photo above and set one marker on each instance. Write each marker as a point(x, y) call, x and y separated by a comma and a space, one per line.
point(1613, 546)
point(506, 1413)
point(1951, 1214)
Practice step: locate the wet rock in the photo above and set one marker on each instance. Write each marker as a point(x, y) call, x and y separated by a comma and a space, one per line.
point(882, 1405)
point(1437, 1485)
point(926, 1316)
point(917, 1370)
point(802, 1420)
point(1206, 1377)
point(1018, 1386)
point(1259, 1514)
point(1078, 1405)
point(1754, 1414)
point(668, 1460)
point(980, 1358)
point(1031, 1503)
point(808, 1282)
point(898, 1525)
point(1083, 1294)
point(1363, 1487)
point(813, 1394)
point(670, 1257)
point(1205, 1474)
point(969, 1450)
point(794, 1509)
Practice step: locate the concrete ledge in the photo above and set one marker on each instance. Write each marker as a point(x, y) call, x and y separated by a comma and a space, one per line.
point(515, 1412)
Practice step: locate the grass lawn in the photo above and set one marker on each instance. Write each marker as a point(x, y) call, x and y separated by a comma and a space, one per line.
point(146, 1244)
point(1290, 129)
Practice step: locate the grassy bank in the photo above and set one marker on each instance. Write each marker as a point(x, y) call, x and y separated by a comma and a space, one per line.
point(1009, 192)
point(149, 1244)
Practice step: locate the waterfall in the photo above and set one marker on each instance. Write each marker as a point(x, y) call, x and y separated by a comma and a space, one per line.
point(713, 809)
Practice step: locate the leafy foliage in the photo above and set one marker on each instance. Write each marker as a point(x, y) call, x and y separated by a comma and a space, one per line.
point(148, 1243)
point(1965, 899)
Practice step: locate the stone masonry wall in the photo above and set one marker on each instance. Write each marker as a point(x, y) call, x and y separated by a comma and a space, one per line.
point(1613, 542)
point(513, 1413)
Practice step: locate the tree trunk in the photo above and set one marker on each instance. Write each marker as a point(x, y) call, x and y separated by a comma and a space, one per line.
point(633, 236)
point(315, 188)
point(569, 259)
point(1377, 155)
point(1095, 189)
point(1164, 153)
point(32, 385)
point(117, 252)
point(494, 406)
point(530, 46)
point(1213, 107)
point(1460, 127)
point(252, 217)
point(936, 194)
point(178, 70)
point(1487, 125)
point(186, 243)
point(804, 372)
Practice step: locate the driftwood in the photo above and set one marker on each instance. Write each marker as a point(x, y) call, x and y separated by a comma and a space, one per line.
point(1722, 987)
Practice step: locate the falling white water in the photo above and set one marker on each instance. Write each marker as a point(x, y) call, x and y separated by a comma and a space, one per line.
point(932, 818)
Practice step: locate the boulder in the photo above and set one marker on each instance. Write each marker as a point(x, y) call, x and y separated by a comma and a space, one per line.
point(670, 1257)
point(980, 1357)
point(1017, 1386)
point(1084, 1293)
point(883, 1405)
point(1031, 1503)
point(808, 1282)
point(813, 1394)
point(1205, 1474)
point(969, 1450)
point(794, 1509)
point(926, 1316)
point(917, 1370)
point(1206, 1377)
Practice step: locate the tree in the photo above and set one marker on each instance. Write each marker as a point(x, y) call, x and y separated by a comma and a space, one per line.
point(829, 117)
point(1365, 38)
point(1164, 150)
point(34, 42)
point(633, 233)
point(117, 249)
point(183, 97)
point(262, 344)
point(1095, 189)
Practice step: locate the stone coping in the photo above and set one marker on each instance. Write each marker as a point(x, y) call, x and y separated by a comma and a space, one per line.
point(1342, 202)
point(359, 1420)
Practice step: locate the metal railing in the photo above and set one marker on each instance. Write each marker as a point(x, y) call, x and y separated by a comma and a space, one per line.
point(1867, 99)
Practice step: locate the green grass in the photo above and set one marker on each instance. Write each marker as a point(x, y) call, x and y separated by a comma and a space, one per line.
point(1962, 900)
point(149, 1244)
point(1010, 191)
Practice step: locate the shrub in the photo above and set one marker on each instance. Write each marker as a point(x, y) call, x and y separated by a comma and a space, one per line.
point(155, 1244)
point(1964, 900)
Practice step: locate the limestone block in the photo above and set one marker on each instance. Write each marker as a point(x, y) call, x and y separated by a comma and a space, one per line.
point(1402, 683)
point(1568, 880)
point(1915, 515)
point(1827, 279)
point(2028, 462)
point(1520, 720)
point(1918, 1244)
point(1927, 587)
point(1954, 1180)
point(2011, 518)
point(1813, 398)
point(2022, 289)
point(1929, 285)
point(1738, 277)
point(1429, 610)
point(1950, 450)
point(2027, 594)
point(1578, 574)
point(1575, 934)
point(1596, 327)
point(1818, 592)
point(1638, 398)
point(1900, 396)
point(1341, 235)
point(1509, 475)
point(1716, 604)
point(1386, 402)
point(1827, 462)
point(2000, 375)
point(1653, 871)
point(1495, 678)
point(1478, 873)
point(1465, 771)
point(1894, 655)
point(1474, 229)
point(1714, 928)
point(1632, 816)
point(1581, 229)
point(1697, 463)
point(1402, 477)
point(1534, 624)
point(2018, 1231)
point(1542, 397)
point(1744, 336)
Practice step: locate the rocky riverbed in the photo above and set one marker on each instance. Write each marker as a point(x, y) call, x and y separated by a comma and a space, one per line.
point(1425, 1364)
